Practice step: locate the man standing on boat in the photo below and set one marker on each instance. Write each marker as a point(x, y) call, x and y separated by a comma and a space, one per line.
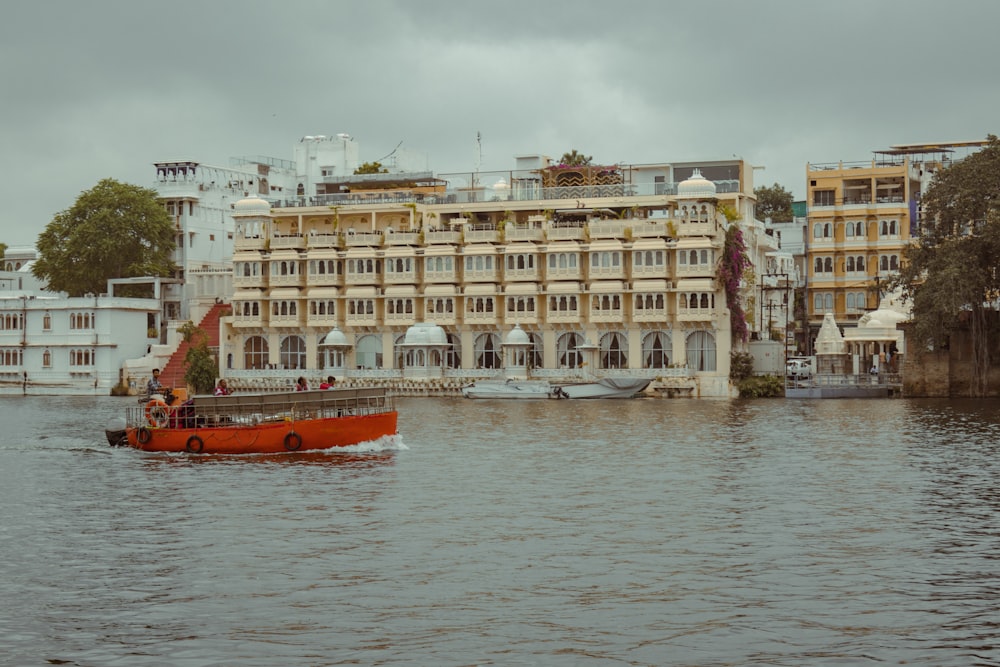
point(154, 386)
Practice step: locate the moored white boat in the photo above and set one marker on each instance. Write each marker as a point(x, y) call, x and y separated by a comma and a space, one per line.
point(625, 387)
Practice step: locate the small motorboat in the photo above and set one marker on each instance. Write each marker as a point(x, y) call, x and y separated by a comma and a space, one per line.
point(255, 423)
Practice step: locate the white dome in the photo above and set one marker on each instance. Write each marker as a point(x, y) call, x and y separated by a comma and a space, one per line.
point(517, 336)
point(251, 207)
point(696, 186)
point(425, 333)
point(335, 338)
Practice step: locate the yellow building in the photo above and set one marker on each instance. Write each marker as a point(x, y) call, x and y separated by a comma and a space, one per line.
point(860, 216)
point(619, 259)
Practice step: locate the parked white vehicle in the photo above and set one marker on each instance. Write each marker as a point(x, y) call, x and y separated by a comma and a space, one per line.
point(799, 367)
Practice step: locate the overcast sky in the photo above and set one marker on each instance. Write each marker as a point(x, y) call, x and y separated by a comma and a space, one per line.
point(99, 89)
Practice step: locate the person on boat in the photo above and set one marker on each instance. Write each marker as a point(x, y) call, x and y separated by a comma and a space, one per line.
point(154, 386)
point(301, 384)
point(222, 389)
point(329, 384)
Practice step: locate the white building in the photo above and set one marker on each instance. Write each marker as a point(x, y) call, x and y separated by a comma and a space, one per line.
point(52, 344)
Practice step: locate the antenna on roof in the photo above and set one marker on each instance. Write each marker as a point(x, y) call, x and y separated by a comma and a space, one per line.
point(479, 158)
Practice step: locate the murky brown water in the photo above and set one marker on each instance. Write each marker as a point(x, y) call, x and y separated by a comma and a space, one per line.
point(638, 532)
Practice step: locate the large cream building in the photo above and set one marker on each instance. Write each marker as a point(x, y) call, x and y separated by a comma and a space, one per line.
point(614, 260)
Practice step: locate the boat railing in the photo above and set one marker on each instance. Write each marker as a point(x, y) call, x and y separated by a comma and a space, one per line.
point(253, 409)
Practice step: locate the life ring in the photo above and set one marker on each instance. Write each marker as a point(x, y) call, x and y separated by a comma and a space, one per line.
point(194, 444)
point(293, 441)
point(156, 412)
point(143, 435)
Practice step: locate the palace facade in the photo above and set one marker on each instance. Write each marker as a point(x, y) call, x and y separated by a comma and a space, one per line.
point(616, 259)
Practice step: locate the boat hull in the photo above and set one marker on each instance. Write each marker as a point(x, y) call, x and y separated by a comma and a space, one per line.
point(510, 390)
point(606, 388)
point(536, 389)
point(267, 437)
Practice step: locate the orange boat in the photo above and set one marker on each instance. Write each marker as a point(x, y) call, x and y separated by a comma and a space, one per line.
point(255, 423)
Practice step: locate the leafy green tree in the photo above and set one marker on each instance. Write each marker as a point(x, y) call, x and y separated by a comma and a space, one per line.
point(951, 273)
point(202, 367)
point(774, 202)
point(3, 250)
point(371, 168)
point(114, 230)
point(575, 159)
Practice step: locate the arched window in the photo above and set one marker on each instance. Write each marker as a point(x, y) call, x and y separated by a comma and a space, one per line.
point(293, 352)
point(614, 351)
point(656, 350)
point(487, 351)
point(701, 351)
point(453, 355)
point(567, 350)
point(368, 352)
point(255, 352)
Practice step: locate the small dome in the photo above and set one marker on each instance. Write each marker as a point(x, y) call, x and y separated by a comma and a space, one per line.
point(425, 333)
point(517, 336)
point(696, 186)
point(335, 338)
point(251, 207)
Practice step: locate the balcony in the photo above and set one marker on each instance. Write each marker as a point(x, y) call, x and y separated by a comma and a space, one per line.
point(569, 232)
point(249, 243)
point(325, 241)
point(517, 233)
point(481, 318)
point(563, 317)
point(522, 274)
point(402, 239)
point(363, 240)
point(290, 242)
point(483, 275)
point(608, 229)
point(650, 229)
point(442, 236)
point(686, 314)
point(485, 235)
point(650, 315)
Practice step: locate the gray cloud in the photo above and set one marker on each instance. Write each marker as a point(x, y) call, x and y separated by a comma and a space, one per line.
point(105, 88)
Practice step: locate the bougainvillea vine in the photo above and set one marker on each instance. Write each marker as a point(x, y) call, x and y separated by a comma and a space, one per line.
point(733, 263)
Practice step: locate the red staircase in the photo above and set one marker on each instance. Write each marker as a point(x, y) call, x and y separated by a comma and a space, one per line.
point(172, 375)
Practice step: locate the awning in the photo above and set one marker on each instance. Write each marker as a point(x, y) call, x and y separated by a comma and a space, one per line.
point(247, 294)
point(696, 285)
point(480, 249)
point(440, 290)
point(652, 285)
point(563, 246)
point(400, 290)
point(521, 288)
point(696, 242)
point(323, 292)
point(324, 253)
point(652, 243)
point(606, 244)
point(285, 293)
point(607, 286)
point(435, 250)
point(364, 291)
point(400, 251)
point(481, 288)
point(564, 288)
point(284, 253)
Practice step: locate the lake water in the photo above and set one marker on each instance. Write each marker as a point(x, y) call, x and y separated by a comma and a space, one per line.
point(644, 532)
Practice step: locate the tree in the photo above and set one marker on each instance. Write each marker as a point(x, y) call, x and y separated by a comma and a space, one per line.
point(575, 159)
point(951, 274)
point(371, 168)
point(202, 368)
point(773, 202)
point(114, 230)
